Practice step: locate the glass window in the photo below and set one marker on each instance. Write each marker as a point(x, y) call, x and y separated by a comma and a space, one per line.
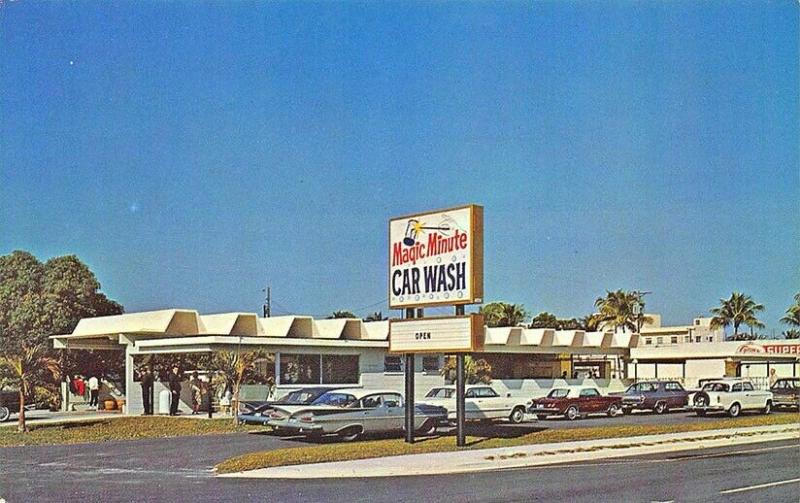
point(737, 387)
point(589, 392)
point(659, 340)
point(470, 393)
point(430, 363)
point(441, 393)
point(336, 399)
point(485, 392)
point(340, 369)
point(392, 400)
point(300, 369)
point(648, 341)
point(558, 393)
point(371, 401)
point(697, 338)
point(673, 386)
point(746, 386)
point(392, 364)
point(674, 340)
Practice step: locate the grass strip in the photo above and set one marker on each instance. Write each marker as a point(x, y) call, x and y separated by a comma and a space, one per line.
point(123, 428)
point(320, 453)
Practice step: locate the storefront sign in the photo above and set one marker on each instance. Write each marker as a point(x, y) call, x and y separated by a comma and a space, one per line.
point(436, 258)
point(452, 334)
point(778, 349)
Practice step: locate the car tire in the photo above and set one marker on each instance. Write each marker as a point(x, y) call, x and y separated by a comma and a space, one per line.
point(626, 411)
point(735, 409)
point(5, 413)
point(541, 417)
point(660, 408)
point(613, 410)
point(517, 415)
point(767, 408)
point(350, 434)
point(427, 428)
point(572, 413)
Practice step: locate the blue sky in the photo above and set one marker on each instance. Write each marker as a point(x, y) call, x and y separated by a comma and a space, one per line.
point(191, 153)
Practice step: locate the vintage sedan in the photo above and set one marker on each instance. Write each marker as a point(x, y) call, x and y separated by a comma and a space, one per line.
point(351, 413)
point(731, 396)
point(574, 402)
point(259, 414)
point(9, 403)
point(481, 403)
point(658, 396)
point(786, 392)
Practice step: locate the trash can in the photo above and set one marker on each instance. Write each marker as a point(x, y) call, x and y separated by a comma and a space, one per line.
point(163, 401)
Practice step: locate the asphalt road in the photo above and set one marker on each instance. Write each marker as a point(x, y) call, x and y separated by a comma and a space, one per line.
point(179, 469)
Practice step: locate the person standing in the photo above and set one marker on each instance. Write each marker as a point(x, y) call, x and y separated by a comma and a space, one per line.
point(175, 390)
point(197, 392)
point(94, 391)
point(147, 390)
point(773, 377)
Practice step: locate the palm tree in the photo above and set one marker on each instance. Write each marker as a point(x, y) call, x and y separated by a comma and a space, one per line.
point(592, 322)
point(736, 310)
point(234, 366)
point(793, 313)
point(27, 369)
point(503, 314)
point(341, 314)
point(619, 309)
point(376, 316)
point(544, 320)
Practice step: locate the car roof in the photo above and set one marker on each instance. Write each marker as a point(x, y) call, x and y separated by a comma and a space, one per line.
point(576, 389)
point(468, 386)
point(361, 393)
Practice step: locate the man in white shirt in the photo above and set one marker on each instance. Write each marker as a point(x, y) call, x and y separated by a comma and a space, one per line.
point(94, 391)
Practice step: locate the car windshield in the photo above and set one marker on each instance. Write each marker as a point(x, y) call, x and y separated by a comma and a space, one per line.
point(336, 399)
point(715, 386)
point(299, 397)
point(558, 393)
point(440, 393)
point(641, 387)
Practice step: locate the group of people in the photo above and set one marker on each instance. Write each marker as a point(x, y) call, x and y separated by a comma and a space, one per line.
point(174, 381)
point(90, 388)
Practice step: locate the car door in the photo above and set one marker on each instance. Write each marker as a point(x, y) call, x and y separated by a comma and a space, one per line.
point(589, 399)
point(472, 405)
point(394, 411)
point(752, 396)
point(373, 416)
point(492, 404)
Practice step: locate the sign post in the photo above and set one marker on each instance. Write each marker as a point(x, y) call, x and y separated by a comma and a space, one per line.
point(436, 259)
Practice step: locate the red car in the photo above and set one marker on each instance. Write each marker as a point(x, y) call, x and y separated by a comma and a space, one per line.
point(575, 402)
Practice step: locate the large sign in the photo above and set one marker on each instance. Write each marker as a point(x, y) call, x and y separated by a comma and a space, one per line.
point(436, 258)
point(775, 349)
point(450, 334)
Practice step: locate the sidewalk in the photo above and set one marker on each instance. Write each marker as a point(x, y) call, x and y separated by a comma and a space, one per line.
point(44, 417)
point(482, 460)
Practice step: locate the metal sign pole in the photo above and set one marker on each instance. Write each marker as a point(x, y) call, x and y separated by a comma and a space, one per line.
point(461, 440)
point(409, 394)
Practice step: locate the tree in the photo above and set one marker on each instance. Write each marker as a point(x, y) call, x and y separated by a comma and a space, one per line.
point(503, 314)
point(736, 310)
point(617, 308)
point(792, 333)
point(475, 371)
point(592, 322)
point(544, 320)
point(26, 369)
point(793, 313)
point(341, 314)
point(236, 366)
point(41, 299)
point(376, 316)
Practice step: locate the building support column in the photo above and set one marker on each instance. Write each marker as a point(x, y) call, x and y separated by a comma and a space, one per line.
point(129, 383)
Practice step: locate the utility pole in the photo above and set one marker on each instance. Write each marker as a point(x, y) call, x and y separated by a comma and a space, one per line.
point(267, 303)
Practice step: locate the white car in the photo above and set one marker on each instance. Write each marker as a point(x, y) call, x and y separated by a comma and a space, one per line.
point(350, 413)
point(731, 396)
point(481, 402)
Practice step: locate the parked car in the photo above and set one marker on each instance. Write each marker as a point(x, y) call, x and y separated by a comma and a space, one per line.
point(731, 396)
point(786, 392)
point(574, 402)
point(259, 413)
point(9, 403)
point(350, 413)
point(658, 396)
point(481, 403)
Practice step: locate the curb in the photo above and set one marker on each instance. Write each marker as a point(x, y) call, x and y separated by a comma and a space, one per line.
point(503, 458)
